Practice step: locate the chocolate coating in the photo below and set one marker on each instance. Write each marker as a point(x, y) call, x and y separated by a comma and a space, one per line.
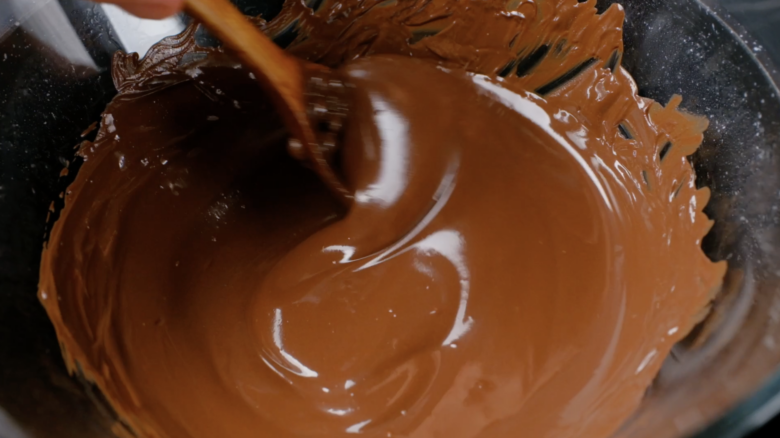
point(522, 251)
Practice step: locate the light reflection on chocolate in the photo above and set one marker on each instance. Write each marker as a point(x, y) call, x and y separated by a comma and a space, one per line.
point(522, 252)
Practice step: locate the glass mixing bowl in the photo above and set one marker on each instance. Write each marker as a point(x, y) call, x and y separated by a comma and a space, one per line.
point(720, 382)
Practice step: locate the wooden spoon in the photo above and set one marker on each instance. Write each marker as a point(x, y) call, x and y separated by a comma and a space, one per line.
point(283, 77)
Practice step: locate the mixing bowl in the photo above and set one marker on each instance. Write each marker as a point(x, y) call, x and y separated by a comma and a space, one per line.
point(721, 381)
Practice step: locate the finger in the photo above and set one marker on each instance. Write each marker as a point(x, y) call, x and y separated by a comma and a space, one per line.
point(153, 9)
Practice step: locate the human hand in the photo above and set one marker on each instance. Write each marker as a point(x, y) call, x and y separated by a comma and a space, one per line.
point(155, 9)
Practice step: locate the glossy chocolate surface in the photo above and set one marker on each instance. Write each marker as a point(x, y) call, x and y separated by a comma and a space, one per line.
point(522, 252)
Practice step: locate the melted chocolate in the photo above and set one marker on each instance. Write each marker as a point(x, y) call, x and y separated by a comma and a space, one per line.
point(522, 251)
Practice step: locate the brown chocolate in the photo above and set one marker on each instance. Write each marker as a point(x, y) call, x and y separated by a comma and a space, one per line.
point(521, 254)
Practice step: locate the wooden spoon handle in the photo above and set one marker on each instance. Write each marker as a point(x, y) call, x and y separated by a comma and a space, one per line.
point(280, 74)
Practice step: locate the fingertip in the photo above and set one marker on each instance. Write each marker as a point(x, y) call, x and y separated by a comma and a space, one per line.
point(150, 9)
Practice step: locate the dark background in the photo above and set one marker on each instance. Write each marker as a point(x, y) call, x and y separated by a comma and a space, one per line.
point(761, 19)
